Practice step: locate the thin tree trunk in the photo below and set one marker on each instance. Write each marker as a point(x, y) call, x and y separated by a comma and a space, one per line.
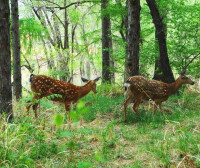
point(57, 32)
point(49, 63)
point(88, 69)
point(66, 39)
point(49, 23)
point(72, 59)
point(16, 51)
point(133, 38)
point(157, 71)
point(106, 74)
point(5, 60)
point(167, 74)
point(63, 56)
point(112, 62)
point(43, 23)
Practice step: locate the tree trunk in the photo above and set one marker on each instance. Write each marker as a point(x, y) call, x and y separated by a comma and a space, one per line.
point(133, 38)
point(72, 51)
point(17, 87)
point(106, 33)
point(5, 60)
point(66, 39)
point(167, 74)
point(112, 62)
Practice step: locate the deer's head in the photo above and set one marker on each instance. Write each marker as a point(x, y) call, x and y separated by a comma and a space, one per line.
point(185, 79)
point(92, 83)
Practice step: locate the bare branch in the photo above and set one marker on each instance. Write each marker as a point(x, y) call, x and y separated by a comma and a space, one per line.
point(74, 3)
point(28, 66)
point(185, 67)
point(43, 24)
point(49, 2)
point(53, 13)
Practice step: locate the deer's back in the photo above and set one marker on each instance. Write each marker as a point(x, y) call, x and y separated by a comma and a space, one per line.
point(147, 88)
point(46, 86)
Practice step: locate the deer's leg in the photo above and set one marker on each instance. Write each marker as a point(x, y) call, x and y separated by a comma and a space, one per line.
point(126, 103)
point(28, 108)
point(67, 108)
point(35, 109)
point(34, 105)
point(155, 106)
point(160, 106)
point(136, 105)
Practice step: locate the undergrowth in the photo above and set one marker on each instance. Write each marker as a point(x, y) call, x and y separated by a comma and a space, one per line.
point(99, 137)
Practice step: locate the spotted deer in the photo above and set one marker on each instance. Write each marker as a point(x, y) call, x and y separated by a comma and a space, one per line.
point(44, 86)
point(140, 88)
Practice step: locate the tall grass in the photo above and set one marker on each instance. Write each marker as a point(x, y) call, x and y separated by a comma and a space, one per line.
point(99, 137)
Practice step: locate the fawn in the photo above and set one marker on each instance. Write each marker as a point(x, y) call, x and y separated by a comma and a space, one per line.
point(140, 88)
point(44, 86)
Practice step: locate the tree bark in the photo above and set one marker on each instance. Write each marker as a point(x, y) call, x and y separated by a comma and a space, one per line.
point(167, 74)
point(133, 38)
point(17, 87)
point(66, 39)
point(5, 60)
point(112, 61)
point(106, 34)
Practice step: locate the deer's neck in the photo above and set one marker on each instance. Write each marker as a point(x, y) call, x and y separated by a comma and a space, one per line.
point(84, 90)
point(173, 87)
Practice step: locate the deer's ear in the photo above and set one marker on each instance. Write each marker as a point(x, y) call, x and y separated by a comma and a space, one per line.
point(182, 75)
point(84, 80)
point(97, 79)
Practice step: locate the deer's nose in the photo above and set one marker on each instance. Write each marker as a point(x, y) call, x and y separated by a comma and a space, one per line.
point(192, 83)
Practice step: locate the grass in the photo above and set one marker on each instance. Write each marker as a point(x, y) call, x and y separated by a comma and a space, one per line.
point(102, 139)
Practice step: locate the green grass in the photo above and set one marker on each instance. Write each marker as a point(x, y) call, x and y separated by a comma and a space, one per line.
point(102, 139)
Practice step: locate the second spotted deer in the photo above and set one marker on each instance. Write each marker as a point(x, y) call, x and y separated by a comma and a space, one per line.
point(44, 86)
point(140, 88)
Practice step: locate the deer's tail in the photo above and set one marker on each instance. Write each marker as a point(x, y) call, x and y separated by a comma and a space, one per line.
point(31, 76)
point(127, 84)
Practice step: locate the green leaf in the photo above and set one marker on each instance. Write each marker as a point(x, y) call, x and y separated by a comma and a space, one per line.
point(83, 111)
point(58, 120)
point(71, 144)
point(74, 115)
point(80, 105)
point(99, 156)
point(84, 164)
point(66, 133)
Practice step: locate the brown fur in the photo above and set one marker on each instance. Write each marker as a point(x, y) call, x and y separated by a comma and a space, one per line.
point(44, 86)
point(142, 88)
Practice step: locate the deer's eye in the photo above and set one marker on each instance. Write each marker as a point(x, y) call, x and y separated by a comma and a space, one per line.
point(184, 77)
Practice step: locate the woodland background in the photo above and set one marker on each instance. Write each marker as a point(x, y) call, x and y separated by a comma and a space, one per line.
point(114, 39)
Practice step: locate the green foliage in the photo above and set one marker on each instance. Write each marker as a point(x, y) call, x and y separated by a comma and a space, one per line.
point(30, 30)
point(84, 164)
point(54, 96)
point(105, 141)
point(58, 120)
point(75, 16)
point(183, 34)
point(106, 100)
point(80, 111)
point(102, 139)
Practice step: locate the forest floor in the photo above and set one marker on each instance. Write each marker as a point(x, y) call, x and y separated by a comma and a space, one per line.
point(98, 137)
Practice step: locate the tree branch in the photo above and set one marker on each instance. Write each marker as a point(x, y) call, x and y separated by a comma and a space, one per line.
point(49, 2)
point(184, 68)
point(74, 3)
